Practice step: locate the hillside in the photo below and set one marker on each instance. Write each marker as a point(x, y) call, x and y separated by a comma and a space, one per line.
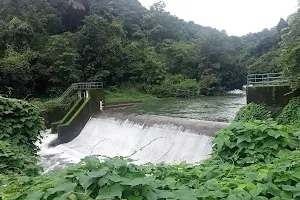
point(47, 45)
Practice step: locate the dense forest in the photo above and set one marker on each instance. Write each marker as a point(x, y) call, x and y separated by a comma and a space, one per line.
point(47, 45)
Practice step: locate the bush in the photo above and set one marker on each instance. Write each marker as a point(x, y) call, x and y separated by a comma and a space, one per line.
point(53, 111)
point(176, 86)
point(127, 93)
point(252, 112)
point(118, 179)
point(20, 123)
point(20, 126)
point(291, 113)
point(17, 160)
point(248, 143)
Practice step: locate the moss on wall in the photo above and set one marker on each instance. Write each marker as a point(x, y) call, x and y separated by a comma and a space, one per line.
point(73, 124)
point(68, 116)
point(271, 96)
point(71, 129)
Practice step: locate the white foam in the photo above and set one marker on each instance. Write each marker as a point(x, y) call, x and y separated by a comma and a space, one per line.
point(237, 92)
point(111, 137)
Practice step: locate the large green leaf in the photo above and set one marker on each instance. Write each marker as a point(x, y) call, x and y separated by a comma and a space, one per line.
point(99, 173)
point(111, 192)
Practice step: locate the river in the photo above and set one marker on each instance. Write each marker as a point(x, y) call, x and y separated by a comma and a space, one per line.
point(146, 137)
point(216, 108)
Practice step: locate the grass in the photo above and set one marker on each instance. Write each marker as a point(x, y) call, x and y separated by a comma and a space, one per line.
point(127, 95)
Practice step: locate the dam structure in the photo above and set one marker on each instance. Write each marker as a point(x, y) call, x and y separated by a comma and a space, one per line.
point(110, 133)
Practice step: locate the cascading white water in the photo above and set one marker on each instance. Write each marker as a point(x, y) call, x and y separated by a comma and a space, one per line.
point(112, 137)
point(238, 92)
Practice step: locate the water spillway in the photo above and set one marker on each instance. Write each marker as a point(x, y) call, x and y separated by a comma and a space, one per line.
point(141, 138)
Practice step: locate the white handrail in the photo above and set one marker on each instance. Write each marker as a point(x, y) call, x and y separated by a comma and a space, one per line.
point(80, 86)
point(269, 79)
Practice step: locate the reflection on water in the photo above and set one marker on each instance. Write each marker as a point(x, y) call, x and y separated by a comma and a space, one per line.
point(218, 108)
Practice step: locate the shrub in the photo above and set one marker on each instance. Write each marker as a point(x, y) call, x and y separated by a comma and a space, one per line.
point(118, 179)
point(252, 112)
point(176, 86)
point(291, 113)
point(253, 142)
point(53, 111)
point(20, 126)
point(20, 123)
point(17, 160)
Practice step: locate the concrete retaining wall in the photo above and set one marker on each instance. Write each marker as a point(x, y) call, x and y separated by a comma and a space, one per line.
point(204, 127)
point(71, 129)
point(68, 116)
point(73, 124)
point(276, 97)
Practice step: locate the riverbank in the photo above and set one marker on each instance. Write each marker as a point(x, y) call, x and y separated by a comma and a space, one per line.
point(127, 95)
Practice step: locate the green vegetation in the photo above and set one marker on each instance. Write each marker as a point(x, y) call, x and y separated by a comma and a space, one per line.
point(291, 113)
point(20, 123)
point(256, 160)
point(250, 160)
point(16, 159)
point(252, 112)
point(20, 126)
point(45, 45)
point(176, 86)
point(122, 95)
point(53, 111)
point(253, 142)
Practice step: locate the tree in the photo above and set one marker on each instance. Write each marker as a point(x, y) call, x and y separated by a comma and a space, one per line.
point(99, 44)
point(290, 61)
point(19, 34)
point(159, 6)
point(142, 64)
point(281, 25)
point(15, 72)
point(61, 57)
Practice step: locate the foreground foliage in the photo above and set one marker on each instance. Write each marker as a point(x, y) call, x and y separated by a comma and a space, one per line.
point(17, 160)
point(258, 161)
point(20, 123)
point(20, 126)
point(259, 141)
point(252, 112)
point(291, 113)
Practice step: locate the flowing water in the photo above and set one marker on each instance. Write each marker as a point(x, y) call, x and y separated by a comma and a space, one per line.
point(217, 108)
point(112, 137)
point(148, 138)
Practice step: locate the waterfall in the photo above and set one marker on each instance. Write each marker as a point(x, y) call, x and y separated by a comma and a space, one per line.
point(141, 141)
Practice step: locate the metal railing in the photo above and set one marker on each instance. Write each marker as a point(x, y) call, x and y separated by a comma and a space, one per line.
point(270, 79)
point(80, 86)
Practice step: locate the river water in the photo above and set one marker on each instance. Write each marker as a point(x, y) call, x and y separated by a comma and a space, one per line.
point(216, 108)
point(145, 137)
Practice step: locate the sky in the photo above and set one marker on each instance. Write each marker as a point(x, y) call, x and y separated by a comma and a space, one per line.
point(236, 17)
